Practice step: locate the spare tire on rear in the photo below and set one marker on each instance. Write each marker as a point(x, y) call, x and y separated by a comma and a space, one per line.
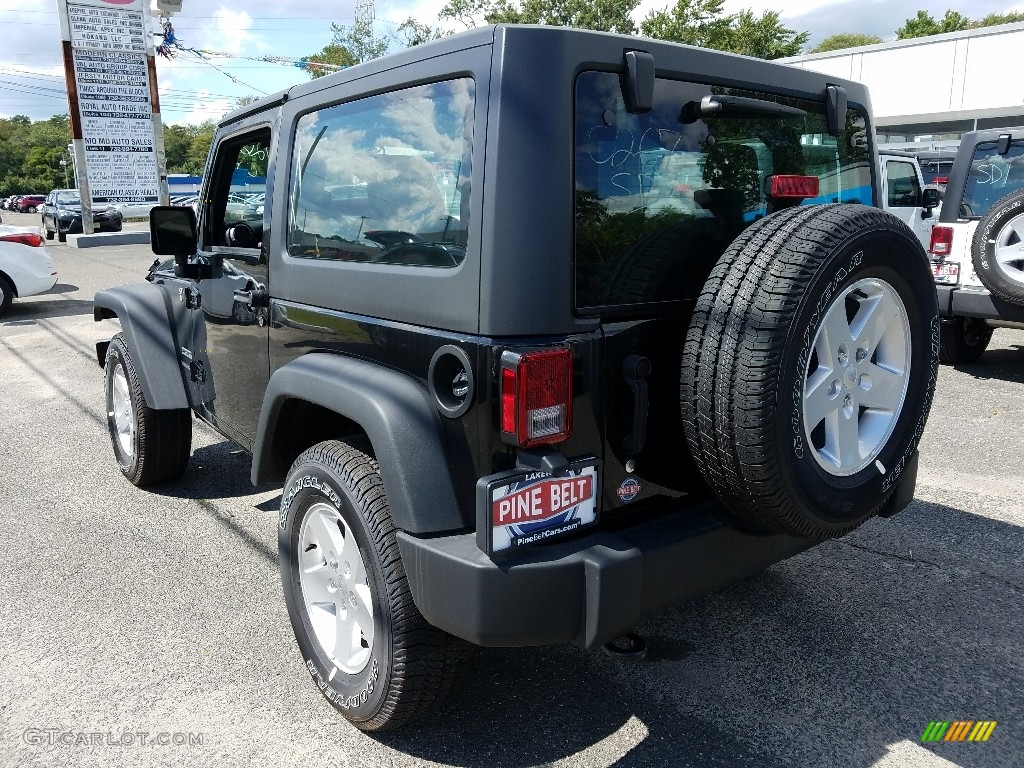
point(809, 367)
point(997, 250)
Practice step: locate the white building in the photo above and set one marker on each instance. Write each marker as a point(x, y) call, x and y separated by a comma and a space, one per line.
point(933, 89)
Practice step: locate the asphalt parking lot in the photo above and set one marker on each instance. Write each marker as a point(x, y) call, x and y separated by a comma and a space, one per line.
point(129, 618)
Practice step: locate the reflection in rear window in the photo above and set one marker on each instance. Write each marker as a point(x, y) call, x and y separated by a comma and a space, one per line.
point(658, 200)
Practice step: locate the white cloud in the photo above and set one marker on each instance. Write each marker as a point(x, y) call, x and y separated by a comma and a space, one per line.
point(231, 32)
point(207, 108)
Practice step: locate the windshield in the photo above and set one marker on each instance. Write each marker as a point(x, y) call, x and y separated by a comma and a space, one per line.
point(991, 177)
point(69, 200)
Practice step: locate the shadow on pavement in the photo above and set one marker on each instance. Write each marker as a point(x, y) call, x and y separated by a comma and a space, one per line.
point(830, 659)
point(1002, 364)
point(28, 310)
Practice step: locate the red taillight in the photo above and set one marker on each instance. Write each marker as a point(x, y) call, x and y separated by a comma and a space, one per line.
point(942, 241)
point(798, 187)
point(536, 397)
point(25, 238)
point(941, 180)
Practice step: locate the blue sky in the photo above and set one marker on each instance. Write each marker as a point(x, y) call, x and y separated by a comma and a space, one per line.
point(192, 90)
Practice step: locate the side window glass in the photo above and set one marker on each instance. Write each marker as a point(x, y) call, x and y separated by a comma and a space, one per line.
point(237, 193)
point(904, 190)
point(385, 179)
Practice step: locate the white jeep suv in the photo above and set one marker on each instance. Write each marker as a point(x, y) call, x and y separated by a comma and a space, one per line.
point(977, 247)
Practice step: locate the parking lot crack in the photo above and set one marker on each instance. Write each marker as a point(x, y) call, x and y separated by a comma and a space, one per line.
point(910, 558)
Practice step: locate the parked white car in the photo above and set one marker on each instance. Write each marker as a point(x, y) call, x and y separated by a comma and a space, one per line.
point(135, 210)
point(25, 266)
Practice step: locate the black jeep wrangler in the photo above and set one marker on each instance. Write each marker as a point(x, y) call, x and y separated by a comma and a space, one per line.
point(543, 331)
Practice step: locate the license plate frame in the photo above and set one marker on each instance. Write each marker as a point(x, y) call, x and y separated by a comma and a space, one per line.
point(539, 507)
point(946, 272)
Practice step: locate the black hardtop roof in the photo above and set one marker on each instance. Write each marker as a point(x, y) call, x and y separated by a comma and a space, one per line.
point(578, 40)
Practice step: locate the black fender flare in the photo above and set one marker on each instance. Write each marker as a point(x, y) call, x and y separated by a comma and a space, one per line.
point(146, 321)
point(399, 418)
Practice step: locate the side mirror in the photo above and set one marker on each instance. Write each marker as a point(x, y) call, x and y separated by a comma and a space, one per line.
point(172, 232)
point(930, 198)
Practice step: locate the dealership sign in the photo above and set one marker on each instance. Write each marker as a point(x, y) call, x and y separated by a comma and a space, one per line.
point(114, 101)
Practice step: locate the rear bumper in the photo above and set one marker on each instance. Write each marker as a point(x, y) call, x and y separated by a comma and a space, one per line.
point(593, 589)
point(955, 301)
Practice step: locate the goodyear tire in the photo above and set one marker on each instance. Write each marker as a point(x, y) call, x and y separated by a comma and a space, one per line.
point(809, 367)
point(150, 446)
point(997, 250)
point(363, 641)
point(963, 340)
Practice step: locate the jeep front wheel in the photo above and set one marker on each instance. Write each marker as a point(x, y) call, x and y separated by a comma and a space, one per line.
point(362, 639)
point(809, 367)
point(150, 446)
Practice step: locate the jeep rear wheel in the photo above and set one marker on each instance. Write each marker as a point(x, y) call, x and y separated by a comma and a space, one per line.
point(809, 367)
point(362, 639)
point(998, 248)
point(150, 446)
point(963, 339)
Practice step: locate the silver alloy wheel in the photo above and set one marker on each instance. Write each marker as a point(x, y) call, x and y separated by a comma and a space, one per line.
point(122, 413)
point(856, 382)
point(335, 591)
point(1008, 249)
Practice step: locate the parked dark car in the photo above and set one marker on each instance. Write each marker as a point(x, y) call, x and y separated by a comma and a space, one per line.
point(62, 215)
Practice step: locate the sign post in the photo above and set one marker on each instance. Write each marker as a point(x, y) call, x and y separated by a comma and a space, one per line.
point(114, 104)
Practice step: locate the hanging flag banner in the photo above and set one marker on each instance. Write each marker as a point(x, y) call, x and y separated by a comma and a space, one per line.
point(109, 46)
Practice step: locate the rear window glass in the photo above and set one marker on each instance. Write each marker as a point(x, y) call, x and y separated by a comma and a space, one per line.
point(658, 200)
point(991, 177)
point(386, 178)
point(936, 171)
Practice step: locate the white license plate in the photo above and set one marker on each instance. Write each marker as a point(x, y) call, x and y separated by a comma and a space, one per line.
point(945, 271)
point(517, 508)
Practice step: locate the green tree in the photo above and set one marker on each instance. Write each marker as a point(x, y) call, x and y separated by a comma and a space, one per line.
point(603, 15)
point(993, 19)
point(411, 32)
point(923, 25)
point(764, 37)
point(186, 147)
point(693, 22)
point(705, 23)
point(199, 147)
point(334, 56)
point(845, 40)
